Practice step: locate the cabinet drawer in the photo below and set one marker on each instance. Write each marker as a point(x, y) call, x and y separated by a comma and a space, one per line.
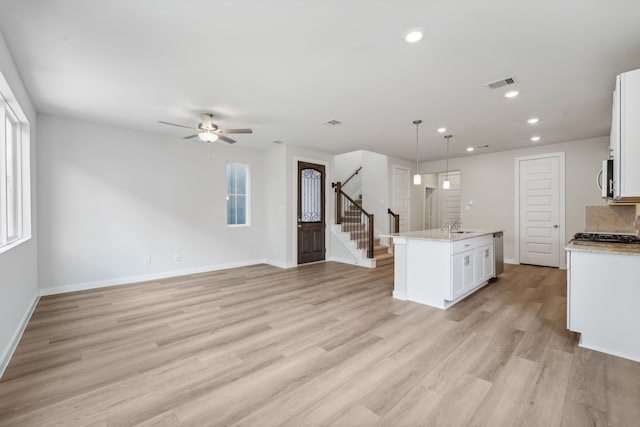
point(472, 243)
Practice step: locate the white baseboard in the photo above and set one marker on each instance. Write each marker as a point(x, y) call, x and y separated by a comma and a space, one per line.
point(360, 263)
point(400, 295)
point(146, 277)
point(17, 335)
point(510, 261)
point(279, 264)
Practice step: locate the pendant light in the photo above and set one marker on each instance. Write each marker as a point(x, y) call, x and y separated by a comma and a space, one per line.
point(446, 184)
point(417, 178)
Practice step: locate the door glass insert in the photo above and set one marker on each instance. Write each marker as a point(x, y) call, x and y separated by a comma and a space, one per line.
point(311, 195)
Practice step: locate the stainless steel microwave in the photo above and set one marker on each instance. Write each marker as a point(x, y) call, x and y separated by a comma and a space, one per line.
point(605, 179)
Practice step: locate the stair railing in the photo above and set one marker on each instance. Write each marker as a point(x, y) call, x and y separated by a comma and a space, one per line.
point(354, 219)
point(352, 175)
point(394, 221)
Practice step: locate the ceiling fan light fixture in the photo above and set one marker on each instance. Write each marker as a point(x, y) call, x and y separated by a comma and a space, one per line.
point(208, 136)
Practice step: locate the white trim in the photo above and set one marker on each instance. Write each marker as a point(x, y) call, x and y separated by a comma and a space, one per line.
point(510, 261)
point(279, 264)
point(327, 211)
point(561, 194)
point(606, 350)
point(17, 336)
point(355, 262)
point(145, 277)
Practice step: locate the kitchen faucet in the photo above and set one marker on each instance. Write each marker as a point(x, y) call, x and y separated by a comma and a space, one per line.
point(452, 225)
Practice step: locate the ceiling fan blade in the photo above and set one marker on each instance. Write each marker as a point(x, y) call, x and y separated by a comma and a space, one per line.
point(236, 131)
point(225, 139)
point(190, 136)
point(173, 124)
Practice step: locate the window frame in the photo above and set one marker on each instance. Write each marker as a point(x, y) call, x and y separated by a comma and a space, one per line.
point(11, 114)
point(247, 194)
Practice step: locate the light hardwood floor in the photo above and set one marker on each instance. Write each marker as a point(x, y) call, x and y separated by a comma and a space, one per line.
point(322, 344)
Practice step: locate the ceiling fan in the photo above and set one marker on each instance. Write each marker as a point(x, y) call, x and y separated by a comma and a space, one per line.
point(208, 131)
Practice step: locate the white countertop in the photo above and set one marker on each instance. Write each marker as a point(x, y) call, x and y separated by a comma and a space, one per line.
point(442, 235)
point(605, 248)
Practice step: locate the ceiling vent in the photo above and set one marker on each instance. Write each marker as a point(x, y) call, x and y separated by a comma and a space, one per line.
point(501, 83)
point(332, 123)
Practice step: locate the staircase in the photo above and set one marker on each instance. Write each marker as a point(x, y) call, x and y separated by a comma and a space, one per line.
point(353, 230)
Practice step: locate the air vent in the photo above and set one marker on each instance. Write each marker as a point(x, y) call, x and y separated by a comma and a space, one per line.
point(332, 123)
point(501, 83)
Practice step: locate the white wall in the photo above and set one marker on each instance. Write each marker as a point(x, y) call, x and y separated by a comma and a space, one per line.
point(488, 180)
point(346, 164)
point(275, 210)
point(375, 195)
point(18, 266)
point(111, 197)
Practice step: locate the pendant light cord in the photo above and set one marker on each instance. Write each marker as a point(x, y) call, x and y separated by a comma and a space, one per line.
point(417, 123)
point(446, 169)
point(417, 166)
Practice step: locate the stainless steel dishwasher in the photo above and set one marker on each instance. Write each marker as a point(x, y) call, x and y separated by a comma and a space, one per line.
point(498, 252)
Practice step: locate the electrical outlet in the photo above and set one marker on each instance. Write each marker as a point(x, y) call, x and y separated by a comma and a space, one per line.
point(147, 260)
point(177, 257)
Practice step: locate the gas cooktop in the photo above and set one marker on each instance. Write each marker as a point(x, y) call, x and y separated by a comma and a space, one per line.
point(607, 238)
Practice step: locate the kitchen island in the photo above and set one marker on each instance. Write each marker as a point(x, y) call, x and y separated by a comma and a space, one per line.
point(439, 268)
point(603, 296)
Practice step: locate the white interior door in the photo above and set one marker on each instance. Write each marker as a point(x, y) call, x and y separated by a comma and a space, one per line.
point(539, 207)
point(401, 196)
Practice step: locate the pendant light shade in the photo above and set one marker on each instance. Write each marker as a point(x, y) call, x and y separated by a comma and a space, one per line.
point(417, 178)
point(446, 184)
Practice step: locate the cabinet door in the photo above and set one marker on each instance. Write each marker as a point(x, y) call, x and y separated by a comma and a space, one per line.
point(488, 262)
point(457, 275)
point(479, 273)
point(468, 276)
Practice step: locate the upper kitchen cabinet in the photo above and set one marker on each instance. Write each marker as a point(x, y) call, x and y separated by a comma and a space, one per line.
point(625, 137)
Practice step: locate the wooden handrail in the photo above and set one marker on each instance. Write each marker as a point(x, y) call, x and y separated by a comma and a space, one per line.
point(396, 221)
point(340, 212)
point(352, 175)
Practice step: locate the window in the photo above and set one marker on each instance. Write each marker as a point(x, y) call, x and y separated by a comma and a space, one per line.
point(14, 170)
point(237, 194)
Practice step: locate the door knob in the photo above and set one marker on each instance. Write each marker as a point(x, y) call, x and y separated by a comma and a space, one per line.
point(555, 225)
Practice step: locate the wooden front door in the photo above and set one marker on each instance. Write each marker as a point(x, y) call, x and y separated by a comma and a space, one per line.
point(311, 222)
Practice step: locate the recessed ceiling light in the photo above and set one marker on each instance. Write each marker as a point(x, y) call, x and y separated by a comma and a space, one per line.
point(535, 138)
point(442, 130)
point(413, 35)
point(470, 149)
point(511, 94)
point(533, 120)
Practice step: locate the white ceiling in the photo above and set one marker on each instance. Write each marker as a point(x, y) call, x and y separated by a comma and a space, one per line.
point(285, 67)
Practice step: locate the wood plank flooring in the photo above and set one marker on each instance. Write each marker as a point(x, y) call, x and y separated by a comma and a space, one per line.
point(321, 344)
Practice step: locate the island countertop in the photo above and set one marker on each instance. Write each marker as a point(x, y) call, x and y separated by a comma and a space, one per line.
point(442, 235)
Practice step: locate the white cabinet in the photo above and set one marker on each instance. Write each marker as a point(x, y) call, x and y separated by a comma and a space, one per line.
point(441, 270)
point(472, 267)
point(463, 273)
point(602, 301)
point(625, 137)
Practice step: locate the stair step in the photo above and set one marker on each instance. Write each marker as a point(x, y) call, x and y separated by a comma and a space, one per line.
point(384, 259)
point(380, 250)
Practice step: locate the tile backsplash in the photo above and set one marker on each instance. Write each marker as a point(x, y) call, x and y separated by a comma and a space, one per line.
point(621, 219)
